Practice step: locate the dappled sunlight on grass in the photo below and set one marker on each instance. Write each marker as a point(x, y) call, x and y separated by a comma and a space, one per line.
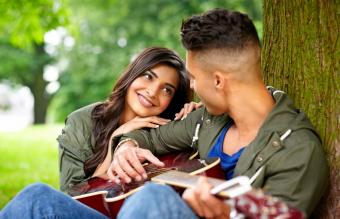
point(28, 156)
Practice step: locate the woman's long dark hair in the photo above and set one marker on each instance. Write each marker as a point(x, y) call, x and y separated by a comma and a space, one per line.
point(106, 116)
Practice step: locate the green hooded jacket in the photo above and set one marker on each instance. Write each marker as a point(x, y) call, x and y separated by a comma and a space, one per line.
point(287, 149)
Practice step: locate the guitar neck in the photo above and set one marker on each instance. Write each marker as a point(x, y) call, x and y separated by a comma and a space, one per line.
point(244, 201)
point(225, 189)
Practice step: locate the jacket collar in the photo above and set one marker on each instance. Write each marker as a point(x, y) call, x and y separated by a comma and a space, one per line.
point(281, 121)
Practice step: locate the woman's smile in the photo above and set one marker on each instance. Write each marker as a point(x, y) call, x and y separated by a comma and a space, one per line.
point(144, 101)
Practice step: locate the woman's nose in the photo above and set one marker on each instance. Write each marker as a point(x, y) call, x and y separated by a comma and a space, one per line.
point(151, 91)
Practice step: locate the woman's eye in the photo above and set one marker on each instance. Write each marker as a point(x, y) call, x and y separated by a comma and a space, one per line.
point(148, 76)
point(168, 91)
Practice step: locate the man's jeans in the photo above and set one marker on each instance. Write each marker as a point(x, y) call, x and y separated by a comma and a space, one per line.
point(156, 201)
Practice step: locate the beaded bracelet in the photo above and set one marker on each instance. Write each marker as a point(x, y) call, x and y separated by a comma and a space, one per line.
point(126, 140)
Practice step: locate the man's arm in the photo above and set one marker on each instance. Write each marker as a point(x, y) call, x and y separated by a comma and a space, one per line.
point(174, 136)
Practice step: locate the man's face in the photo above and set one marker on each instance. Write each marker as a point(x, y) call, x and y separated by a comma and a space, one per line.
point(203, 84)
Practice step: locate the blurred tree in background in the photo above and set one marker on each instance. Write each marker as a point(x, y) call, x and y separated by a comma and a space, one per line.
point(23, 25)
point(89, 43)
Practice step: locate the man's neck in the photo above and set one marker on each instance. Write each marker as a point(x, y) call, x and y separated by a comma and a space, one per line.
point(249, 106)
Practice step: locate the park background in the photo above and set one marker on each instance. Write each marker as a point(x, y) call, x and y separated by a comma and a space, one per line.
point(59, 55)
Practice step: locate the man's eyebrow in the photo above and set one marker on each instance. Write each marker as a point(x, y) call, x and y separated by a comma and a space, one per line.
point(155, 75)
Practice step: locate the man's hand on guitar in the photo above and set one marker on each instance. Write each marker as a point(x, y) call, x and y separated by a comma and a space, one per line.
point(203, 203)
point(127, 163)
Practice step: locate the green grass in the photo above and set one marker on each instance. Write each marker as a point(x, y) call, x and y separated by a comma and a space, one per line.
point(28, 156)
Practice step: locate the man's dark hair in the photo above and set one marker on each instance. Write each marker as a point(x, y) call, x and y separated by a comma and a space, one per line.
point(218, 29)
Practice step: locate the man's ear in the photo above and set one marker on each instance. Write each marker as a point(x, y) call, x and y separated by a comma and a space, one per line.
point(219, 80)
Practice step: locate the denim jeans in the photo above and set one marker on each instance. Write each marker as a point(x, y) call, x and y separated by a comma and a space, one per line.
point(156, 201)
point(41, 201)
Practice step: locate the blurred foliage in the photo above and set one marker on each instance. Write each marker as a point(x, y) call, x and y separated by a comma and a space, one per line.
point(22, 28)
point(24, 23)
point(107, 34)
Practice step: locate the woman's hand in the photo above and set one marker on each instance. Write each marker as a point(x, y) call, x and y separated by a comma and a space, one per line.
point(187, 108)
point(139, 122)
point(203, 203)
point(127, 163)
point(133, 124)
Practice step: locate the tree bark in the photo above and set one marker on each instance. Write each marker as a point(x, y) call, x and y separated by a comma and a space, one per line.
point(301, 56)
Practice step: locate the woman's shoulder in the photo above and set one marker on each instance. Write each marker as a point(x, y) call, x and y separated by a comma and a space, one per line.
point(83, 112)
point(78, 127)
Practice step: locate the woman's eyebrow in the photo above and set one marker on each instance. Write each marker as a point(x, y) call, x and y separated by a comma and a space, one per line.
point(152, 72)
point(155, 75)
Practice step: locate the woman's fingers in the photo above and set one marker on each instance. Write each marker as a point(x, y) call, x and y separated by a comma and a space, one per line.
point(136, 164)
point(147, 155)
point(179, 115)
point(116, 169)
point(138, 122)
point(198, 105)
point(187, 108)
point(126, 170)
point(155, 120)
point(127, 163)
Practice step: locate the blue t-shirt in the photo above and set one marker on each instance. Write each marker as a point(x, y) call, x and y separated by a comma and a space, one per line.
point(228, 163)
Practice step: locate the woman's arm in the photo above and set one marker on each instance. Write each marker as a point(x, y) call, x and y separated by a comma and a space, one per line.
point(75, 147)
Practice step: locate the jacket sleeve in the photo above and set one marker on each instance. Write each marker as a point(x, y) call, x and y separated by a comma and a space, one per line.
point(299, 176)
point(73, 151)
point(174, 136)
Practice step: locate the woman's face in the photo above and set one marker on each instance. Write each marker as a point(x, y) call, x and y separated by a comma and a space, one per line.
point(151, 93)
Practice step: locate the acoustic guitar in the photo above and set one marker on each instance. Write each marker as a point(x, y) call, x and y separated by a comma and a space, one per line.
point(107, 197)
point(181, 171)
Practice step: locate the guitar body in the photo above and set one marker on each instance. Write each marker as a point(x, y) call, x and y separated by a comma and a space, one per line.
point(107, 197)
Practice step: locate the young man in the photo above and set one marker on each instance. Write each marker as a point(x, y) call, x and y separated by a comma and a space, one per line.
point(253, 129)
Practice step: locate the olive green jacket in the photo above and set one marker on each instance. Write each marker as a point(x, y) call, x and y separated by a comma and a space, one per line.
point(76, 145)
point(294, 167)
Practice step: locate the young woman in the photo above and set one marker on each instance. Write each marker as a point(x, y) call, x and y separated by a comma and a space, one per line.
point(152, 89)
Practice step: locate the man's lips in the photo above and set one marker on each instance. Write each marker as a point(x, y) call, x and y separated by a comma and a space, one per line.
point(144, 101)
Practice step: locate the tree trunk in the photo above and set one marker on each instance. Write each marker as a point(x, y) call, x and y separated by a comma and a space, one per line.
point(301, 56)
point(37, 84)
point(41, 99)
